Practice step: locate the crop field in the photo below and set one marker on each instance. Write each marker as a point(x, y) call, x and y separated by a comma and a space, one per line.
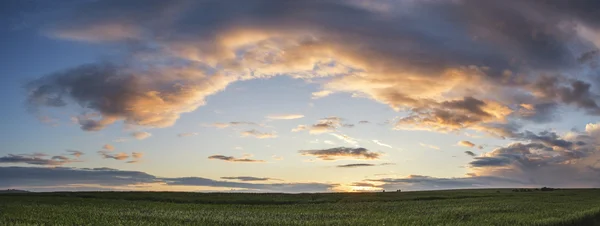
point(457, 207)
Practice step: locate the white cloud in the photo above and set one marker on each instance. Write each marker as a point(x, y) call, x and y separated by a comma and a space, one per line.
point(381, 144)
point(345, 138)
point(285, 116)
point(429, 146)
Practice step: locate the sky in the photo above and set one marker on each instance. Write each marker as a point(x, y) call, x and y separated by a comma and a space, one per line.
point(299, 96)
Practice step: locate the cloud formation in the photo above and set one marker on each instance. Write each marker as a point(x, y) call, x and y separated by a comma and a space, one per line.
point(108, 147)
point(356, 165)
point(466, 143)
point(39, 179)
point(258, 134)
point(285, 116)
point(248, 178)
point(136, 157)
point(476, 73)
point(38, 159)
point(186, 134)
point(341, 152)
point(140, 135)
point(232, 159)
point(117, 156)
point(221, 125)
point(382, 144)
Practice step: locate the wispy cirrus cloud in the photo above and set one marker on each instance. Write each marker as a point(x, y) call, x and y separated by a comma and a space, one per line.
point(382, 144)
point(429, 146)
point(341, 152)
point(249, 178)
point(285, 116)
point(258, 134)
point(233, 124)
point(232, 159)
point(186, 134)
point(357, 165)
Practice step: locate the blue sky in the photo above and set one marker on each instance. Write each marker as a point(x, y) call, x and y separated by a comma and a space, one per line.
point(298, 96)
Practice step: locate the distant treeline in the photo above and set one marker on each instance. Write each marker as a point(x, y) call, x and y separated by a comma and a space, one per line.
point(537, 189)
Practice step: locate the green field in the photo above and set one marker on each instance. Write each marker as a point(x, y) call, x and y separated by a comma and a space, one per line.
point(458, 207)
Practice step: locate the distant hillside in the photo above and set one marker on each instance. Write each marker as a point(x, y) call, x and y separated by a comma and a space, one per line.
point(13, 191)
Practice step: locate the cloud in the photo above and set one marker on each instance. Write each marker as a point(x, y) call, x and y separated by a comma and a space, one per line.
point(324, 125)
point(299, 128)
point(117, 156)
point(186, 134)
point(345, 138)
point(75, 153)
point(418, 182)
point(382, 144)
point(321, 94)
point(140, 135)
point(247, 178)
point(470, 153)
point(221, 125)
point(108, 147)
point(59, 178)
point(355, 165)
point(258, 134)
point(277, 157)
point(285, 116)
point(137, 157)
point(232, 159)
point(36, 159)
point(429, 146)
point(474, 73)
point(341, 152)
point(363, 122)
point(466, 143)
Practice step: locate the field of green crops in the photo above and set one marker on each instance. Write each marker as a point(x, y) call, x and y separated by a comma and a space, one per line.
point(459, 207)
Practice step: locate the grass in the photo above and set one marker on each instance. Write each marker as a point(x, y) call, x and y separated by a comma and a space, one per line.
point(458, 207)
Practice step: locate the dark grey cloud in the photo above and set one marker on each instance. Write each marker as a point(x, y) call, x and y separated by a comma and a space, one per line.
point(470, 153)
point(233, 159)
point(248, 178)
point(355, 165)
point(36, 159)
point(61, 177)
point(490, 161)
point(334, 153)
point(542, 113)
point(418, 182)
point(546, 137)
